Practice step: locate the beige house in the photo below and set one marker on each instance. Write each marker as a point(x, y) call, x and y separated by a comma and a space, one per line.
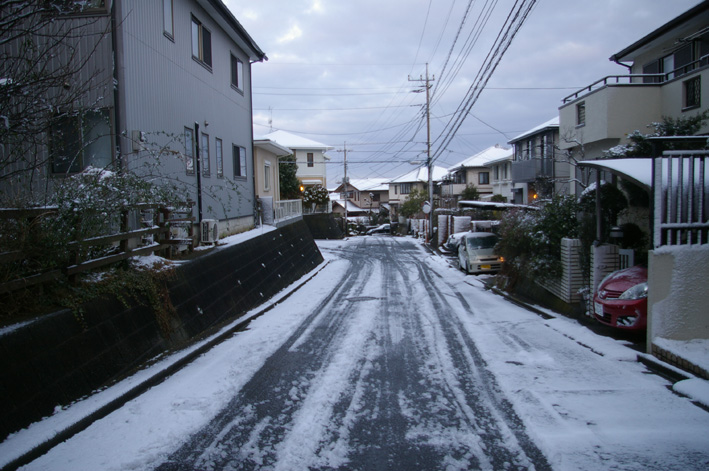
point(402, 186)
point(501, 177)
point(474, 170)
point(666, 76)
point(266, 175)
point(309, 155)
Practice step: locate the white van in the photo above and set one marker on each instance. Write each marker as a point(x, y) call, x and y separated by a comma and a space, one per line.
point(476, 253)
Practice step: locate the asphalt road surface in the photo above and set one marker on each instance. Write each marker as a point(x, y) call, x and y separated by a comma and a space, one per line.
point(381, 374)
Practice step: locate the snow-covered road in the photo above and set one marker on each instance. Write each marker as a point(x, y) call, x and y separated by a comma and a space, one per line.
point(391, 359)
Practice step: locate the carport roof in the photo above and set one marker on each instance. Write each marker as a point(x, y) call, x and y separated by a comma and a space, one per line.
point(639, 171)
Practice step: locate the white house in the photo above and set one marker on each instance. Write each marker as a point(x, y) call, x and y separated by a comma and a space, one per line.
point(474, 170)
point(309, 155)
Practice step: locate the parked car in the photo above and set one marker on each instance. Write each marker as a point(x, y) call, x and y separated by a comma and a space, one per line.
point(382, 229)
point(621, 299)
point(476, 253)
point(451, 245)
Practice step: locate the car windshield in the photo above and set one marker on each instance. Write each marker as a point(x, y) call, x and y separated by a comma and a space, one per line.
point(475, 243)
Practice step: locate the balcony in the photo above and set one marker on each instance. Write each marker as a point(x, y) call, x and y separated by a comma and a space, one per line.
point(525, 171)
point(610, 108)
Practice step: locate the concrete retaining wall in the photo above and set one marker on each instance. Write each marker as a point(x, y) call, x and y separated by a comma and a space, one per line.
point(64, 356)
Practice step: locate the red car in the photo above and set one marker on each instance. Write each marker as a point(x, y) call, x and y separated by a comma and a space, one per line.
point(621, 299)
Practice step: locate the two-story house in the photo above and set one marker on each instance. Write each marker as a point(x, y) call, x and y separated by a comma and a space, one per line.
point(474, 170)
point(309, 156)
point(166, 82)
point(367, 193)
point(539, 169)
point(666, 76)
point(401, 186)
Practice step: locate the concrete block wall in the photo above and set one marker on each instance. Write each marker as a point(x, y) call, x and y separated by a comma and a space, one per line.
point(63, 356)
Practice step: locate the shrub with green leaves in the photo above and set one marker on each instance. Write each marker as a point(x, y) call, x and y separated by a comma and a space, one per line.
point(531, 241)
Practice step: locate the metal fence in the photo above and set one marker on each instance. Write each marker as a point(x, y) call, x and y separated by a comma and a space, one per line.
point(681, 198)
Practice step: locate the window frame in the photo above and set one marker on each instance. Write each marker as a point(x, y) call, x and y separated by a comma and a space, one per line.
point(581, 114)
point(405, 188)
point(189, 151)
point(310, 158)
point(267, 175)
point(204, 155)
point(696, 83)
point(80, 140)
point(485, 180)
point(237, 73)
point(239, 157)
point(219, 156)
point(168, 13)
point(204, 54)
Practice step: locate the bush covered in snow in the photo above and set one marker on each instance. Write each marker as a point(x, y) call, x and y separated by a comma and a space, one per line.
point(530, 242)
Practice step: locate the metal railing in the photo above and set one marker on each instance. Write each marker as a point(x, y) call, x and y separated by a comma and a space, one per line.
point(639, 79)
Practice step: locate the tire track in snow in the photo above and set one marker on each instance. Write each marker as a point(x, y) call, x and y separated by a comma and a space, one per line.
point(245, 435)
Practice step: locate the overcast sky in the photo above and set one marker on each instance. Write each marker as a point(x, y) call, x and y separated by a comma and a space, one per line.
point(338, 71)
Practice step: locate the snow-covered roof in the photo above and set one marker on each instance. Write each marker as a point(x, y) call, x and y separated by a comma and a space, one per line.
point(482, 159)
point(421, 175)
point(272, 147)
point(370, 184)
point(292, 141)
point(636, 170)
point(552, 123)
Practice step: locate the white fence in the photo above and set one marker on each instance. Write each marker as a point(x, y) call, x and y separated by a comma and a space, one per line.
point(681, 198)
point(288, 209)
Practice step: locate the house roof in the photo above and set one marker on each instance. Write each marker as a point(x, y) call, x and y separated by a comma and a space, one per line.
point(223, 16)
point(551, 124)
point(272, 147)
point(482, 159)
point(421, 175)
point(370, 184)
point(670, 31)
point(292, 141)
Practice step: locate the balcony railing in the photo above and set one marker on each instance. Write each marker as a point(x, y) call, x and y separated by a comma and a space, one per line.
point(288, 209)
point(639, 79)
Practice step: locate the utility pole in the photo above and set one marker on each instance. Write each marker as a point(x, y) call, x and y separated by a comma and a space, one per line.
point(427, 83)
point(344, 189)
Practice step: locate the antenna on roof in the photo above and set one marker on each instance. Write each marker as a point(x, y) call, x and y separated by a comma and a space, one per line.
point(270, 120)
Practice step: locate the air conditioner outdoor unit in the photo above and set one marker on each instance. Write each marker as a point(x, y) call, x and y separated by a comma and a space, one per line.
point(210, 231)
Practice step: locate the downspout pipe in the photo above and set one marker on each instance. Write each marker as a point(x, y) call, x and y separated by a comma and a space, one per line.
point(199, 179)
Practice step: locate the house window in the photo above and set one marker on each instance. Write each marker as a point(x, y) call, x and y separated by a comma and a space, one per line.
point(267, 176)
point(396, 189)
point(204, 153)
point(692, 93)
point(581, 114)
point(168, 24)
point(484, 178)
point(405, 188)
point(79, 141)
point(497, 172)
point(311, 161)
point(239, 155)
point(237, 73)
point(220, 158)
point(189, 151)
point(77, 6)
point(201, 43)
